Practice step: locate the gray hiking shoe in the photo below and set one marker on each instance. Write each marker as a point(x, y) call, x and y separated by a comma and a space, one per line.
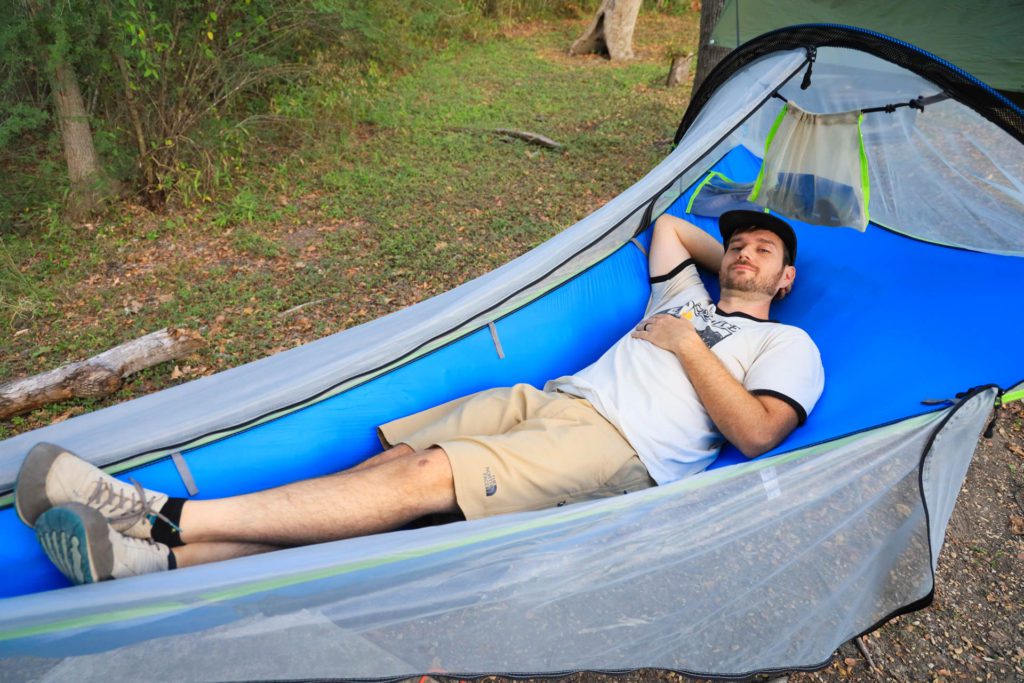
point(83, 546)
point(52, 476)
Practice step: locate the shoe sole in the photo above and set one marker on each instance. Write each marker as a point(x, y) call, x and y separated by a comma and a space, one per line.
point(77, 540)
point(30, 499)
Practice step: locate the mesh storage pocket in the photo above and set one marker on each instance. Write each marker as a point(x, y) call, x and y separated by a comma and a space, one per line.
point(815, 169)
point(717, 194)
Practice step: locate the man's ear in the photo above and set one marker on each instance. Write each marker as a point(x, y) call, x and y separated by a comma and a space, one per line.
point(785, 282)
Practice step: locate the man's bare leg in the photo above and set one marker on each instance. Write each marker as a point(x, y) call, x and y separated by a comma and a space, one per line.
point(201, 553)
point(395, 488)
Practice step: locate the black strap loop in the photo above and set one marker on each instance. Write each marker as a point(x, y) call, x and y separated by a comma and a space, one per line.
point(917, 103)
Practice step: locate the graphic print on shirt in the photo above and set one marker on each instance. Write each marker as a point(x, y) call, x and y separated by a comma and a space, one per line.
point(711, 329)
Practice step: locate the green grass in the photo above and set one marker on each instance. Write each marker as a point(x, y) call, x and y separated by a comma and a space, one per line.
point(414, 197)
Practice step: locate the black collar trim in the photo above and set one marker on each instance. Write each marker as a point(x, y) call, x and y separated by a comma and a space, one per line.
point(740, 314)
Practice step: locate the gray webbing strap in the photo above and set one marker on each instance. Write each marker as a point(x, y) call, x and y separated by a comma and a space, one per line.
point(497, 342)
point(639, 246)
point(185, 473)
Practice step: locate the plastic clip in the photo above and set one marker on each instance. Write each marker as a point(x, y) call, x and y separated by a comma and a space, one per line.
point(812, 53)
point(990, 430)
point(916, 103)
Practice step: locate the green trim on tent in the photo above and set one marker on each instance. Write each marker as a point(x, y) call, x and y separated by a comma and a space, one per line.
point(767, 144)
point(865, 179)
point(1011, 396)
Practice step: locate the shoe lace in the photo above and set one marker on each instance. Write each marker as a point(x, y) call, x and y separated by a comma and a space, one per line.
point(104, 494)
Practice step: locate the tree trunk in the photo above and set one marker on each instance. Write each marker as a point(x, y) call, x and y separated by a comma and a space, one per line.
point(89, 185)
point(610, 33)
point(708, 55)
point(679, 71)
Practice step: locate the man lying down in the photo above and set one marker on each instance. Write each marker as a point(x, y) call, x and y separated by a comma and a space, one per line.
point(657, 406)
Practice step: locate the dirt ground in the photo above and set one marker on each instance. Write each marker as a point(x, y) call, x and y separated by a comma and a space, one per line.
point(974, 630)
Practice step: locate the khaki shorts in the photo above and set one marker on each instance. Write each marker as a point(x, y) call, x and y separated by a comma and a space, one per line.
point(519, 448)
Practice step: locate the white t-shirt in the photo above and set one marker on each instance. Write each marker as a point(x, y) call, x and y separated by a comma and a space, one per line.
point(643, 390)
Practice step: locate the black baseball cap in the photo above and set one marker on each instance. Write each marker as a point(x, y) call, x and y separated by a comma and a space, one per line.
point(731, 221)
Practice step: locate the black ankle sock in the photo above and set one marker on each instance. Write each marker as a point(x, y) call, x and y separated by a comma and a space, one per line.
point(172, 561)
point(164, 532)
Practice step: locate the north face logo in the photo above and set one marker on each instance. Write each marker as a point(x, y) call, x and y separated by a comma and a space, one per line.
point(490, 482)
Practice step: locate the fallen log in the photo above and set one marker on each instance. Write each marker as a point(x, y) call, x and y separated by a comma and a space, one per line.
point(101, 375)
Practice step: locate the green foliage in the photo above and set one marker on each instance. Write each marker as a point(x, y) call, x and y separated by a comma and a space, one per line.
point(244, 208)
point(22, 297)
point(517, 10)
point(19, 119)
point(186, 97)
point(255, 244)
point(182, 92)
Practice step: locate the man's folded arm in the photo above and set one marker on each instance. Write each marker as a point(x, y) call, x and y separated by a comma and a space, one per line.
point(676, 240)
point(754, 424)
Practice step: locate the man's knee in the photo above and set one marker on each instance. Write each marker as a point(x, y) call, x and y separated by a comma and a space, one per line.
point(428, 474)
point(431, 463)
point(397, 451)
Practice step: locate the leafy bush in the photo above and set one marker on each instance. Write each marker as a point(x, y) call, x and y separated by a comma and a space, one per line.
point(182, 95)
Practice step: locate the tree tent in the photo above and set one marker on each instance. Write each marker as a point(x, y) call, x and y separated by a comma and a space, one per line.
point(752, 566)
point(971, 35)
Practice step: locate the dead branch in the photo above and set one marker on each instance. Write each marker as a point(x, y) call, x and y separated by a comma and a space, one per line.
point(863, 647)
point(524, 135)
point(296, 309)
point(100, 375)
point(527, 136)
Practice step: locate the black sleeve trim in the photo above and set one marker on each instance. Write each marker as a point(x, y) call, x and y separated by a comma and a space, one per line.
point(672, 273)
point(800, 412)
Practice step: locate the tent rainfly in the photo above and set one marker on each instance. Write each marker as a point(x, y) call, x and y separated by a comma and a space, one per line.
point(753, 566)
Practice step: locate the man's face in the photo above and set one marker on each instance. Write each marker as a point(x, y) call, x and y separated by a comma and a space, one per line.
point(754, 262)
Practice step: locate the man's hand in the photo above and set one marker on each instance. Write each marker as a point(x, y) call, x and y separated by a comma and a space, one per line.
point(753, 424)
point(667, 332)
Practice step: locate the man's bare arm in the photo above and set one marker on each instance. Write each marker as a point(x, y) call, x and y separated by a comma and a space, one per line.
point(676, 240)
point(753, 424)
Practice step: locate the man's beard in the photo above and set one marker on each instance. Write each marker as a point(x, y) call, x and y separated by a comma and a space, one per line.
point(751, 282)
